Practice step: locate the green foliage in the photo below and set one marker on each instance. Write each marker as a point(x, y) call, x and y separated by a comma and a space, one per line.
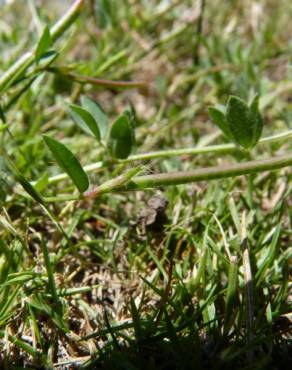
point(218, 116)
point(256, 120)
point(43, 307)
point(240, 122)
point(47, 58)
point(44, 43)
point(231, 295)
point(29, 189)
point(154, 279)
point(94, 109)
point(6, 181)
point(68, 162)
point(2, 115)
point(121, 137)
point(84, 120)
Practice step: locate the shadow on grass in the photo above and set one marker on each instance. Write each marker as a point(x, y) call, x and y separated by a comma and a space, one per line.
point(191, 352)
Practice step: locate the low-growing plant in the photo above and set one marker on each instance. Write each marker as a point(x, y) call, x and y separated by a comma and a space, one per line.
point(205, 283)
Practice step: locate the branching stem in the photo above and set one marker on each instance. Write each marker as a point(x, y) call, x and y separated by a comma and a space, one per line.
point(181, 177)
point(222, 148)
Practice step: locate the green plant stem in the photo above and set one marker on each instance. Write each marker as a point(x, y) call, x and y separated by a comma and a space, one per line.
point(50, 273)
point(208, 173)
point(98, 81)
point(68, 18)
point(177, 178)
point(26, 60)
point(223, 148)
point(16, 70)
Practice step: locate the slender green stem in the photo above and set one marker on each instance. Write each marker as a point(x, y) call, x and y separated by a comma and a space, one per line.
point(208, 173)
point(68, 18)
point(99, 81)
point(26, 60)
point(184, 151)
point(177, 178)
point(16, 70)
point(50, 272)
point(62, 176)
point(223, 148)
point(114, 183)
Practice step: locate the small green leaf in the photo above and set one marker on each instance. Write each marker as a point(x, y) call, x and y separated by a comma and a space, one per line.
point(47, 59)
point(240, 122)
point(94, 109)
point(121, 137)
point(84, 120)
point(44, 43)
point(218, 117)
point(257, 119)
point(68, 162)
point(131, 114)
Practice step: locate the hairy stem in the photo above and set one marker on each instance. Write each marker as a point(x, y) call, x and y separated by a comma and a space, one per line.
point(177, 178)
point(223, 148)
point(209, 173)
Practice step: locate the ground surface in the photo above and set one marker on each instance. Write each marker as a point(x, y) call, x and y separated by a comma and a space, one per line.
point(144, 279)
